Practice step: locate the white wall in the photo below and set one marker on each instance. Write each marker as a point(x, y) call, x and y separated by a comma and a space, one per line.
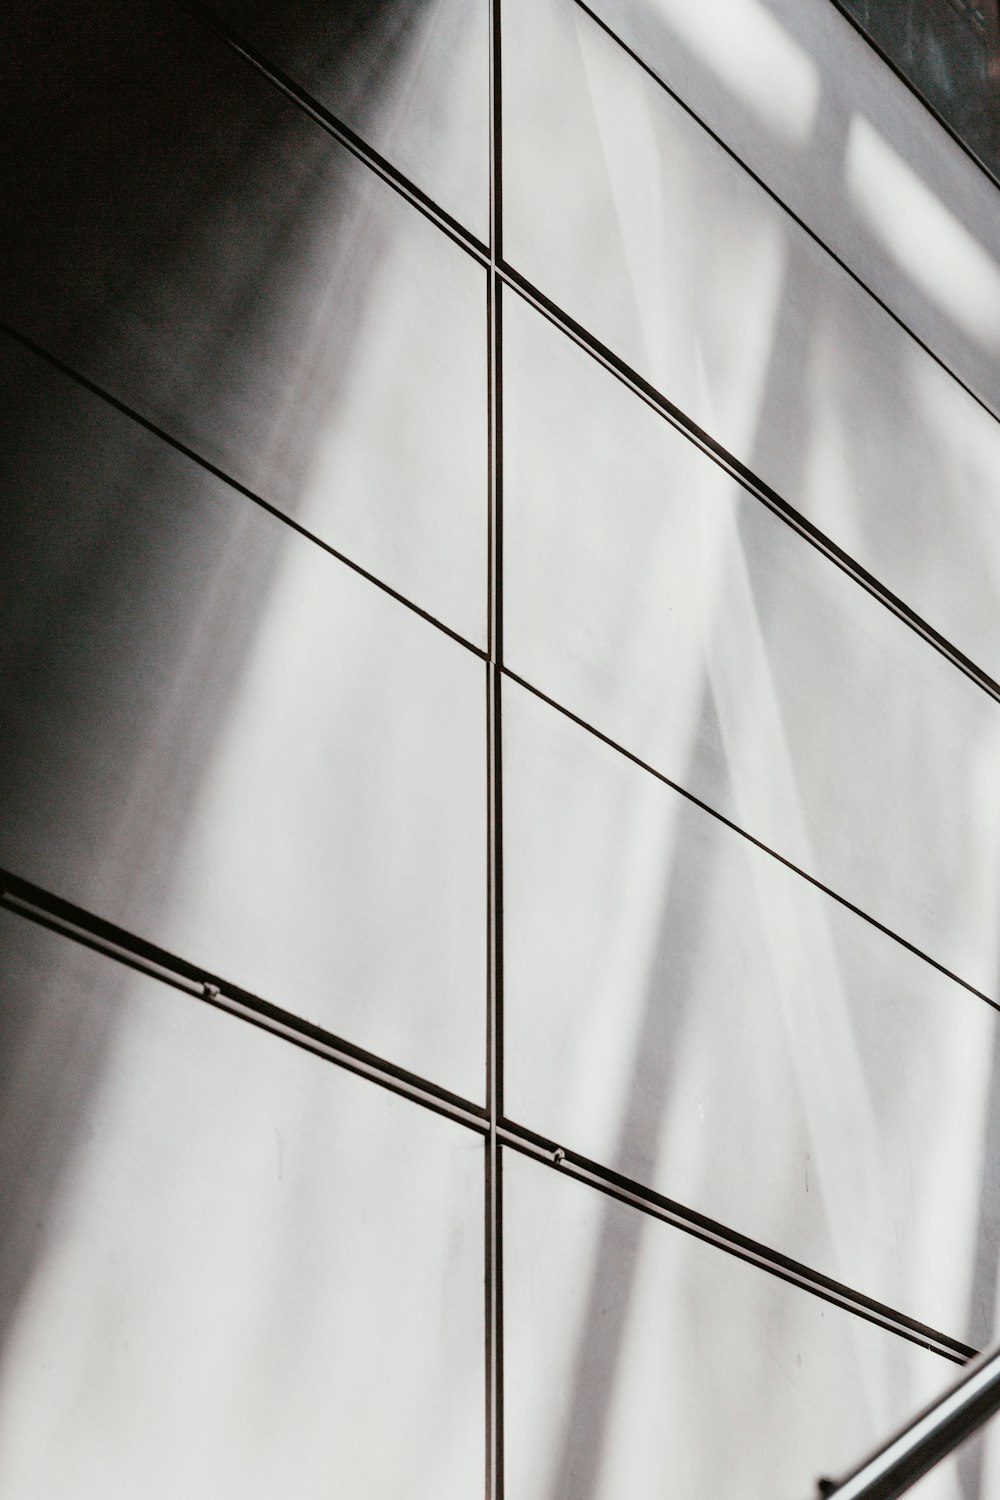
point(275, 418)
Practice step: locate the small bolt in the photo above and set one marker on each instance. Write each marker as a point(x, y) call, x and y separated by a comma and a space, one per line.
point(210, 991)
point(558, 1156)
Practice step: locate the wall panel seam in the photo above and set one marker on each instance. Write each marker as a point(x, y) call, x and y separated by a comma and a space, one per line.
point(335, 127)
point(119, 946)
point(232, 483)
point(494, 808)
point(646, 1200)
point(44, 910)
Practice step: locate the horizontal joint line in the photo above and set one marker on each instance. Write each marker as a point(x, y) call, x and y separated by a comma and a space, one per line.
point(234, 484)
point(92, 932)
point(689, 1221)
point(743, 833)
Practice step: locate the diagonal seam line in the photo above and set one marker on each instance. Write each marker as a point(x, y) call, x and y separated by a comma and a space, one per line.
point(234, 484)
point(335, 127)
point(706, 807)
point(908, 83)
point(639, 1196)
point(753, 485)
point(40, 907)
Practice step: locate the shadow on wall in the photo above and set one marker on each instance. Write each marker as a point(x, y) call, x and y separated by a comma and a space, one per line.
point(410, 78)
point(255, 1266)
point(183, 235)
point(180, 234)
point(658, 1049)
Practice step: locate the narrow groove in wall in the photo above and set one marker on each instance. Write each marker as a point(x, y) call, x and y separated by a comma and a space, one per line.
point(494, 980)
point(746, 478)
point(494, 796)
point(494, 1090)
point(637, 383)
point(72, 922)
point(689, 1221)
point(336, 128)
point(234, 484)
point(817, 239)
point(706, 807)
point(57, 915)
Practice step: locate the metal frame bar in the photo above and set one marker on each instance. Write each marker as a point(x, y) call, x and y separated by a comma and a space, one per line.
point(494, 795)
point(927, 1438)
